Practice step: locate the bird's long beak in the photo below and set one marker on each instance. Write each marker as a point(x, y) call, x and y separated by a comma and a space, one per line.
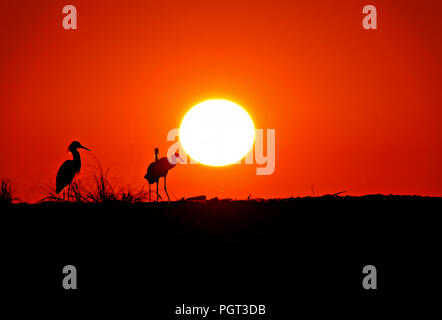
point(83, 147)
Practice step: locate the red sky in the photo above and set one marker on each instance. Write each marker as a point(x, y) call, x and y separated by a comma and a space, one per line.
point(353, 110)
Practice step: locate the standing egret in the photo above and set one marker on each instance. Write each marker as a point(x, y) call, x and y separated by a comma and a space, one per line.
point(159, 168)
point(69, 168)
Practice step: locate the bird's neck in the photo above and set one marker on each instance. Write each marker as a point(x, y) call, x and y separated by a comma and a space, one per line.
point(76, 158)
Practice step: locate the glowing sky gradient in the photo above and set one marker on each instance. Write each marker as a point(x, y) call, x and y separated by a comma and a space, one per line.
point(353, 110)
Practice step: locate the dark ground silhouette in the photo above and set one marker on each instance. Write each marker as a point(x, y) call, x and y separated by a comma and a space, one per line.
point(294, 255)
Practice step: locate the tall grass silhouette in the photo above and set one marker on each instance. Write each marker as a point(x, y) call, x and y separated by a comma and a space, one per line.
point(6, 192)
point(97, 188)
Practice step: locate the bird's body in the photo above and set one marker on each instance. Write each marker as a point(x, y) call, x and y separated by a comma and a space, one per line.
point(66, 174)
point(69, 168)
point(159, 169)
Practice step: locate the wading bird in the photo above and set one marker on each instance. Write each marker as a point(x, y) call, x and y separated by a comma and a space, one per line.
point(69, 168)
point(159, 168)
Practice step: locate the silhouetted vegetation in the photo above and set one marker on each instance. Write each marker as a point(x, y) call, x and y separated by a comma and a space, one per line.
point(96, 189)
point(6, 192)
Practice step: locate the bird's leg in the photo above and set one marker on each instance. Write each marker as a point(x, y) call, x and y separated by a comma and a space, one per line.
point(165, 188)
point(69, 191)
point(157, 192)
point(149, 191)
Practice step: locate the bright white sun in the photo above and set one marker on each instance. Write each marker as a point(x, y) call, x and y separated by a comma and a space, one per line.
point(217, 132)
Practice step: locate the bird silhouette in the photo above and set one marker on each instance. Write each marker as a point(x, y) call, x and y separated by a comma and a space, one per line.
point(159, 168)
point(69, 168)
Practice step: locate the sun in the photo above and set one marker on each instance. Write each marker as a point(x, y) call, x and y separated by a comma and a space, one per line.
point(217, 132)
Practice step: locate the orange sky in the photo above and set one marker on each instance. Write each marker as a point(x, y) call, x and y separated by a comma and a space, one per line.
point(353, 110)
